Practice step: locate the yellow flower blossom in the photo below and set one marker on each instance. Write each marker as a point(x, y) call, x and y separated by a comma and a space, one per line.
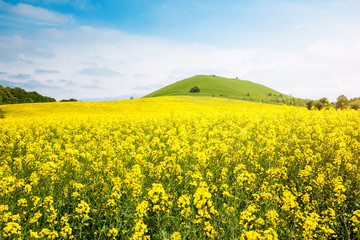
point(12, 229)
point(209, 230)
point(34, 234)
point(22, 202)
point(48, 234)
point(175, 236)
point(355, 221)
point(158, 197)
point(272, 217)
point(83, 209)
point(289, 201)
point(184, 203)
point(113, 233)
point(203, 202)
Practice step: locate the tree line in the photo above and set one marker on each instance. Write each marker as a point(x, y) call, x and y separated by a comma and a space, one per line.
point(279, 99)
point(18, 95)
point(342, 102)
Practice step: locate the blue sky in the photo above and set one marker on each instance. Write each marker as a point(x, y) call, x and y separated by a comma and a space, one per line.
point(116, 49)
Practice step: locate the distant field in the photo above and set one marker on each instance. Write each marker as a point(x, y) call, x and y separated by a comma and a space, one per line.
point(178, 168)
point(167, 104)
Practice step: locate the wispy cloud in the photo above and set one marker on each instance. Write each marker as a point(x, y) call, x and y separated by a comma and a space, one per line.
point(103, 72)
point(68, 82)
point(37, 15)
point(16, 48)
point(31, 85)
point(20, 76)
point(42, 71)
point(91, 86)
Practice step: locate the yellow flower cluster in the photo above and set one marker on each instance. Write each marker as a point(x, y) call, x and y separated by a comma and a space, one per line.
point(355, 221)
point(184, 204)
point(159, 198)
point(83, 210)
point(178, 168)
point(140, 227)
point(203, 202)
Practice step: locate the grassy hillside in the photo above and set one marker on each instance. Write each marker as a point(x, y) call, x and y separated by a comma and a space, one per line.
point(215, 86)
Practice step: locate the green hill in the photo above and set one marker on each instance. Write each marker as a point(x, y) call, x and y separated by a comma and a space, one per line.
point(211, 85)
point(215, 86)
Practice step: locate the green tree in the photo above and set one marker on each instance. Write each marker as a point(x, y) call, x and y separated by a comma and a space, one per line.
point(318, 104)
point(69, 100)
point(309, 104)
point(341, 102)
point(195, 89)
point(324, 101)
point(355, 104)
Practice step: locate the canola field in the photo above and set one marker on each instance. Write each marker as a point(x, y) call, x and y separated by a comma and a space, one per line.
point(178, 168)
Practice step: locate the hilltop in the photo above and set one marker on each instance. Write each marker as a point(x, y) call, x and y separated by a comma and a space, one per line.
point(215, 86)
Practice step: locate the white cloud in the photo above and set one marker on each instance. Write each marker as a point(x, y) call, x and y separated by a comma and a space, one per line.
point(41, 14)
point(327, 68)
point(92, 59)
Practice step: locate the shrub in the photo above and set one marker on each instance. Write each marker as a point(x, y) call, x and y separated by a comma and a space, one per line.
point(341, 102)
point(322, 103)
point(69, 100)
point(195, 89)
point(309, 104)
point(355, 104)
point(318, 104)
